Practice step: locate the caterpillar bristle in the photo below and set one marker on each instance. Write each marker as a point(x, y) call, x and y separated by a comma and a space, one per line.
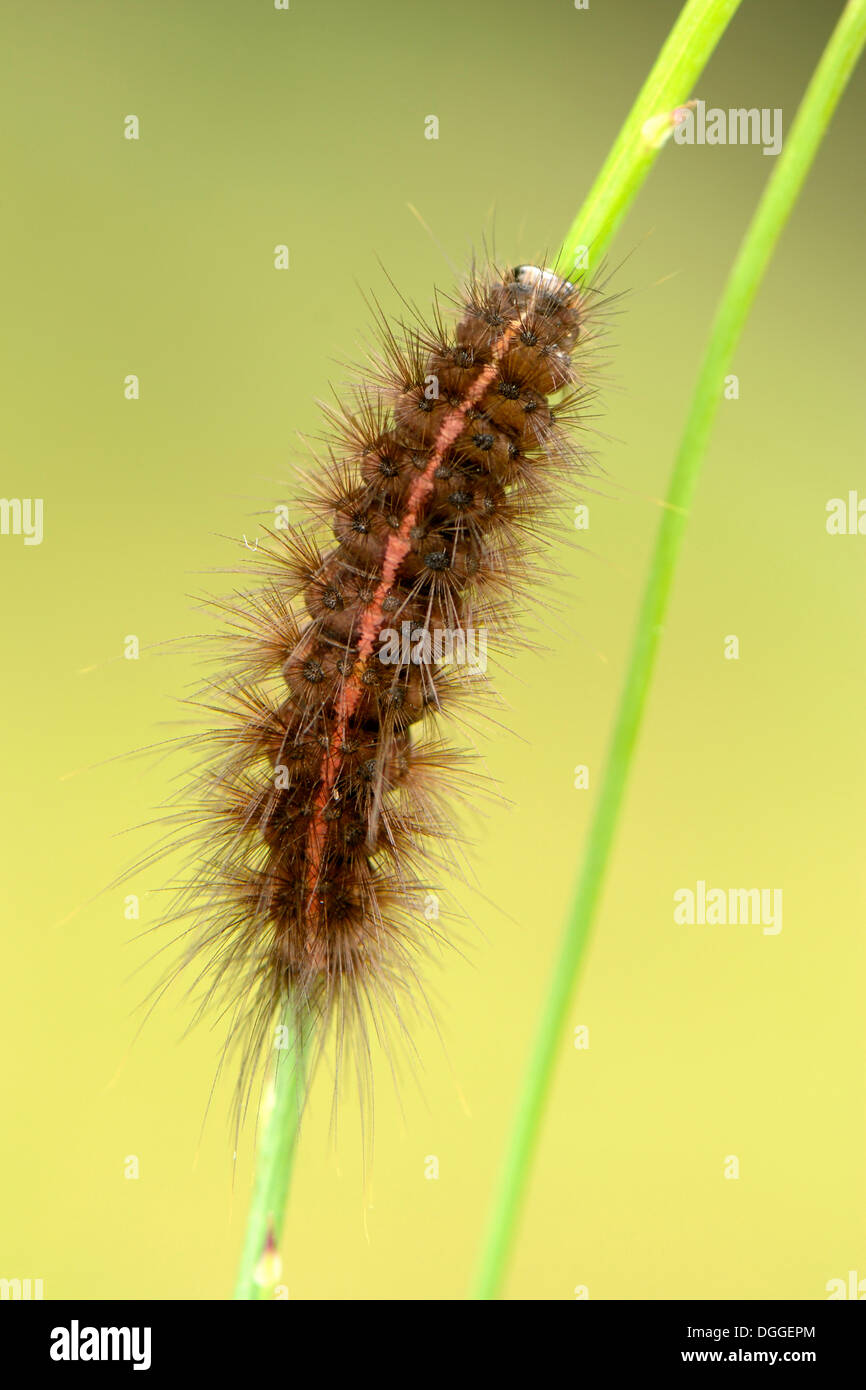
point(326, 791)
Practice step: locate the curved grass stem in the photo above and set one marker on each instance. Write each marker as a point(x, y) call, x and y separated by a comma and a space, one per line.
point(817, 107)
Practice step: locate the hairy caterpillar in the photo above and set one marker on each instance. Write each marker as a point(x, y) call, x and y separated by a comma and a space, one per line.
point(327, 789)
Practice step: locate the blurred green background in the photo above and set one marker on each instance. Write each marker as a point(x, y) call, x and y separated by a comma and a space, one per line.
point(155, 257)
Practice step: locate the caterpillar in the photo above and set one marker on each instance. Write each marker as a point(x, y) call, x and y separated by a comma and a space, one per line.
point(328, 790)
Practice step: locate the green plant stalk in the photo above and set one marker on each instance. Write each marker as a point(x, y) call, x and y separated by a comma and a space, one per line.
point(816, 109)
point(682, 59)
point(680, 63)
point(275, 1158)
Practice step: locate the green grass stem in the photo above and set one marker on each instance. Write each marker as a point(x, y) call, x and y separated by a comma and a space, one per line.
point(682, 59)
point(816, 109)
point(275, 1158)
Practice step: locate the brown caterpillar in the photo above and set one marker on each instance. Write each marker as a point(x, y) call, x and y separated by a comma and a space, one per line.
point(328, 790)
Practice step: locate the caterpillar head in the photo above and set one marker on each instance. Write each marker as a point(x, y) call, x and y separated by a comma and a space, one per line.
point(533, 278)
